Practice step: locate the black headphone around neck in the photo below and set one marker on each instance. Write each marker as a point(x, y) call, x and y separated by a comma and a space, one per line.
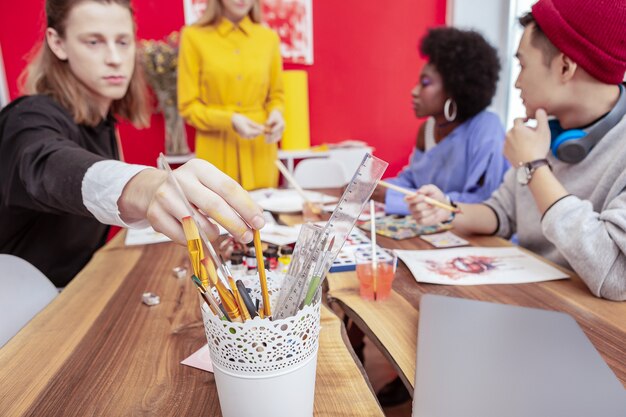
point(573, 145)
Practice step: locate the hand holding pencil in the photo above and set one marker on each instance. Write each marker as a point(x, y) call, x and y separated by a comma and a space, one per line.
point(196, 189)
point(428, 205)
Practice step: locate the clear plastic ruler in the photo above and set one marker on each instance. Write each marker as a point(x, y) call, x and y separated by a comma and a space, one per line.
point(355, 197)
point(296, 278)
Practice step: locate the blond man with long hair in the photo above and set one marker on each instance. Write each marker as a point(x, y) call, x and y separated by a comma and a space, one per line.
point(230, 88)
point(61, 181)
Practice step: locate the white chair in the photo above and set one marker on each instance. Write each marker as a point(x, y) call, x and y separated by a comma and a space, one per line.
point(349, 158)
point(24, 292)
point(320, 173)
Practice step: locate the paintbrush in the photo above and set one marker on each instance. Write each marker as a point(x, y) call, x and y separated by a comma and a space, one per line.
point(193, 213)
point(194, 246)
point(427, 199)
point(228, 299)
point(209, 299)
point(318, 273)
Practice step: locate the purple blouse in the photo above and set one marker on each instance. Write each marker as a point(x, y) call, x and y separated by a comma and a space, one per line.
point(468, 165)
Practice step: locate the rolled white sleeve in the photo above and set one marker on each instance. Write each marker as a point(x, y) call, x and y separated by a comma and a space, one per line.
point(102, 187)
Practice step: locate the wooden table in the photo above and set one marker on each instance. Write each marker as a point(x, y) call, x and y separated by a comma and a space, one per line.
point(392, 324)
point(97, 350)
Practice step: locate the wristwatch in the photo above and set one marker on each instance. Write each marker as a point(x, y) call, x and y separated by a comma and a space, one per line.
point(526, 170)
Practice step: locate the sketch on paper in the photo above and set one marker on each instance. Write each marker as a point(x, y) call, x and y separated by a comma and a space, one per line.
point(463, 266)
point(291, 19)
point(477, 265)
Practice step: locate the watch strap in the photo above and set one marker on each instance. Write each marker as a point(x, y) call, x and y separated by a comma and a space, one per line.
point(527, 169)
point(533, 165)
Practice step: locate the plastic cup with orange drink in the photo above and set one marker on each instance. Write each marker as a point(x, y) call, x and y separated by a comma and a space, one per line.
point(375, 284)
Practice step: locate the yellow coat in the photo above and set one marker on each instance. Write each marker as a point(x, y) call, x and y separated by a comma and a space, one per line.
point(225, 69)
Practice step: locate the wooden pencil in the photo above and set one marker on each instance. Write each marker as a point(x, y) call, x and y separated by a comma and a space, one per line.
point(427, 199)
point(262, 278)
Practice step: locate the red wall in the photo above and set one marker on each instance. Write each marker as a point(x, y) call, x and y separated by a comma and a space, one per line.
point(366, 63)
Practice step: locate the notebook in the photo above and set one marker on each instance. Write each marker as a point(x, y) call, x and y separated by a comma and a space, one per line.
point(480, 359)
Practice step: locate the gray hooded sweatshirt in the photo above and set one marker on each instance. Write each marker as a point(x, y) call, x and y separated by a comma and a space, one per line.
point(585, 231)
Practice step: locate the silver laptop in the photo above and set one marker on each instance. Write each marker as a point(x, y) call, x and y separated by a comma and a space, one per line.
point(479, 359)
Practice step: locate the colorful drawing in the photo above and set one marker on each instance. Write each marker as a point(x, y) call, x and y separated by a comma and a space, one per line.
point(477, 265)
point(461, 266)
point(403, 227)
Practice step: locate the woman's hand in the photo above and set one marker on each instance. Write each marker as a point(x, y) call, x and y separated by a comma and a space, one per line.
point(274, 127)
point(245, 127)
point(424, 213)
point(151, 195)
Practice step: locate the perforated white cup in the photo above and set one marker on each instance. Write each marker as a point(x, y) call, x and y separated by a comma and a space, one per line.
point(263, 367)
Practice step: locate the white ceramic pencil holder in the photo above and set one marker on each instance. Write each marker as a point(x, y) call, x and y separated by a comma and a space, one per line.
point(265, 368)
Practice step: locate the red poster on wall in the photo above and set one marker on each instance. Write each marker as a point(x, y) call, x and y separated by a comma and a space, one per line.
point(291, 19)
point(193, 10)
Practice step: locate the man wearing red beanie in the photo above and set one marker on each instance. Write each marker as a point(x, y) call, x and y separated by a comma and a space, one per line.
point(565, 195)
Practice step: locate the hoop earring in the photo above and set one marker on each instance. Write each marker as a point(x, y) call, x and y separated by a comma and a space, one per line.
point(446, 110)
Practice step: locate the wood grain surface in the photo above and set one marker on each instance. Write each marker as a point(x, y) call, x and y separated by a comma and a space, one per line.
point(391, 324)
point(97, 350)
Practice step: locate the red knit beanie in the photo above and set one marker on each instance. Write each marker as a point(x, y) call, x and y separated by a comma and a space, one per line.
point(590, 32)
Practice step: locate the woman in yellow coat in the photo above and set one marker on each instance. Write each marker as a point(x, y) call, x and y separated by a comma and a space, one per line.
point(230, 88)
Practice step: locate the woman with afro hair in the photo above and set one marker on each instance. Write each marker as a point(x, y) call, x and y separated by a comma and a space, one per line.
point(459, 146)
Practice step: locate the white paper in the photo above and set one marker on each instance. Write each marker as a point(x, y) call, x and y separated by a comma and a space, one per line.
point(149, 236)
point(145, 236)
point(280, 235)
point(286, 200)
point(444, 240)
point(477, 265)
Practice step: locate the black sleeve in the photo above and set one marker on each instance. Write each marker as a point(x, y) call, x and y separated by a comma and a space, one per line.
point(42, 160)
point(495, 213)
